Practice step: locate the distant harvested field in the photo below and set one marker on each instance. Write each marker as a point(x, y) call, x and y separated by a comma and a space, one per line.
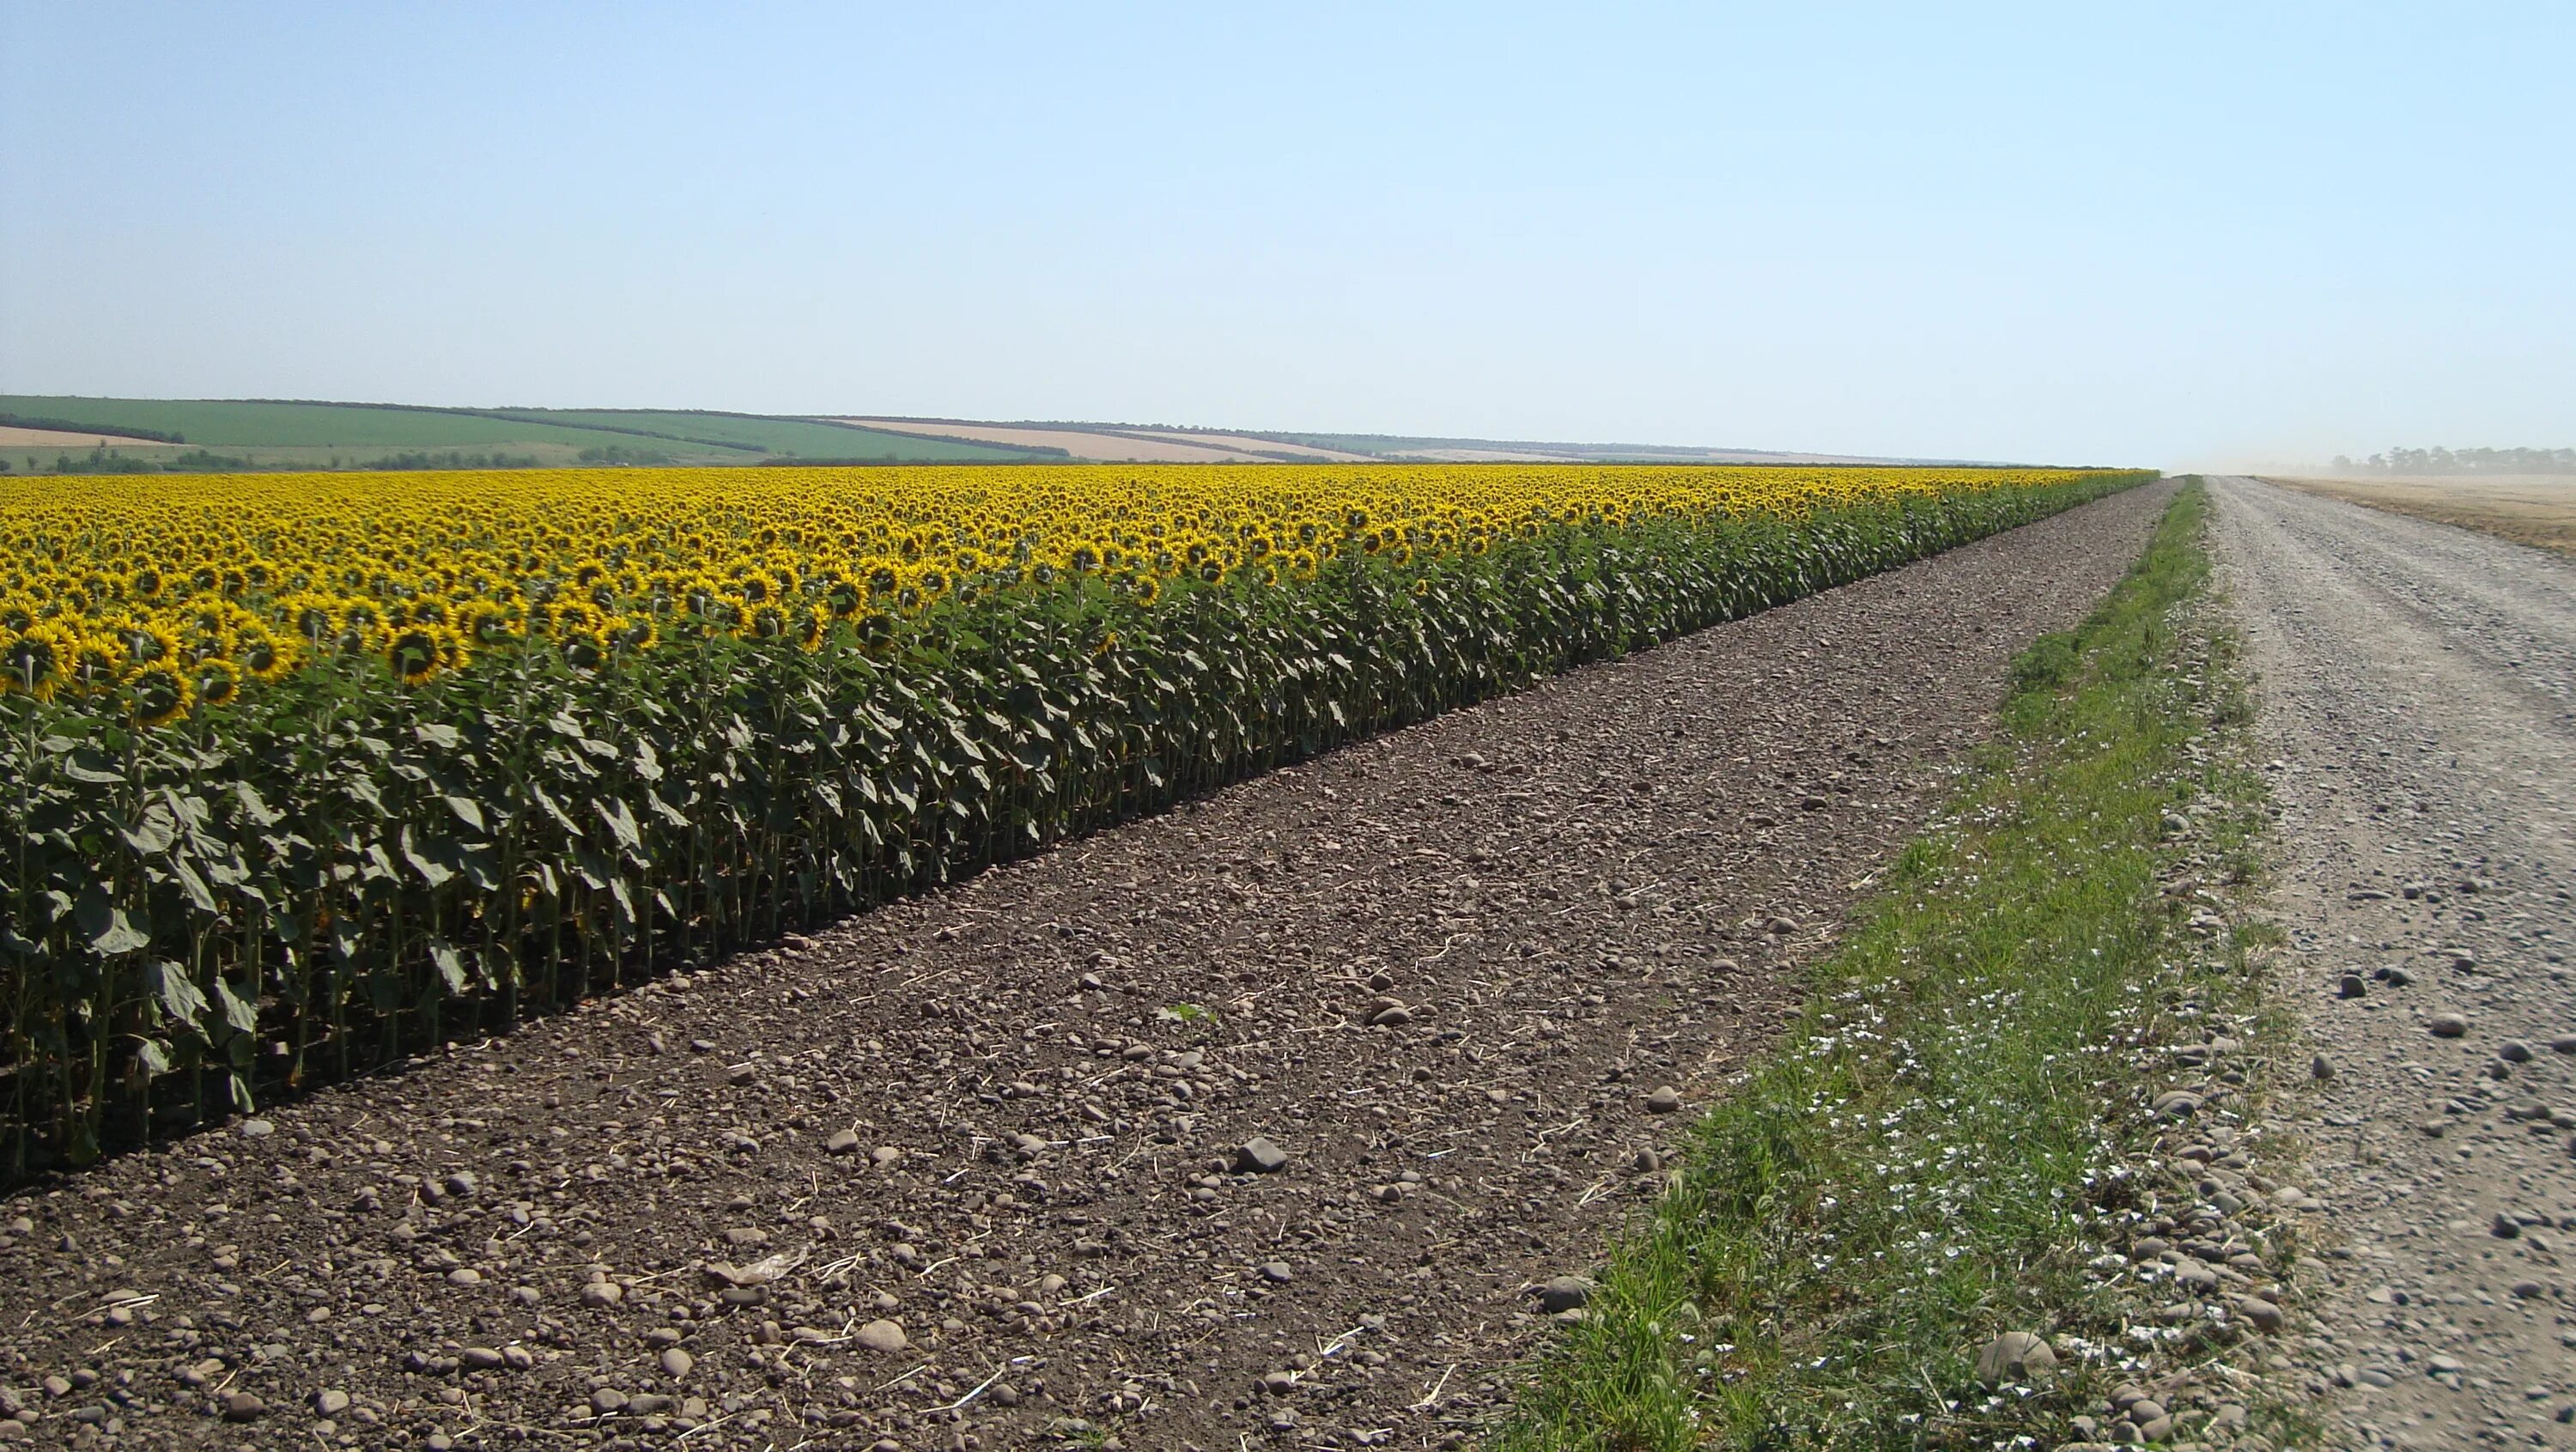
point(12, 436)
point(1477, 456)
point(2532, 509)
point(1244, 443)
point(1082, 444)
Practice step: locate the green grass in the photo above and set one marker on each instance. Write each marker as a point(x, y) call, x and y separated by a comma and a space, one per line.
point(1929, 1158)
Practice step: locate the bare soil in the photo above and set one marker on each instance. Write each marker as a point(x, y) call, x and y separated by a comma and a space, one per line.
point(978, 1170)
point(2418, 687)
point(2532, 509)
point(1081, 443)
point(12, 436)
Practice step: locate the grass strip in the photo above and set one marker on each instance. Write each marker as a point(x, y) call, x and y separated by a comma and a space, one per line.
point(1936, 1149)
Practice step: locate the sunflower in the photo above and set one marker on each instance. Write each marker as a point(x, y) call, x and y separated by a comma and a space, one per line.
point(585, 648)
point(313, 616)
point(93, 662)
point(217, 682)
point(633, 634)
point(485, 622)
point(147, 642)
point(418, 653)
point(38, 658)
point(812, 627)
point(158, 694)
point(262, 656)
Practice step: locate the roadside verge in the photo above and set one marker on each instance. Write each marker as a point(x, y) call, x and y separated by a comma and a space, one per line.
point(1994, 1184)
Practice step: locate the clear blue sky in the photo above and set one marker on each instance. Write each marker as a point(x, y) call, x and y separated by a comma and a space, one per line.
point(2176, 235)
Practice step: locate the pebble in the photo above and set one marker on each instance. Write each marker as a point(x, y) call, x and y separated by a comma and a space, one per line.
point(2015, 1356)
point(2320, 1068)
point(2351, 986)
point(677, 1362)
point(606, 1400)
point(842, 1142)
point(2448, 1025)
point(465, 1275)
point(599, 1295)
point(1665, 1099)
point(2176, 1103)
point(884, 1336)
point(244, 1406)
point(1277, 1272)
point(2514, 1051)
point(480, 1358)
point(330, 1402)
point(1565, 1293)
point(2264, 1315)
point(1259, 1156)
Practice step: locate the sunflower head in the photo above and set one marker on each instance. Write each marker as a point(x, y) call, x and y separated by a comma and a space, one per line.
point(633, 634)
point(158, 694)
point(583, 649)
point(38, 659)
point(418, 652)
point(217, 682)
point(262, 655)
point(147, 642)
point(94, 663)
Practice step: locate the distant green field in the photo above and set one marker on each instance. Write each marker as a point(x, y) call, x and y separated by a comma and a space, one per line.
point(320, 435)
point(228, 425)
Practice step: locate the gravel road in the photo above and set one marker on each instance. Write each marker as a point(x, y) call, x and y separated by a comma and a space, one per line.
point(1257, 1123)
point(2418, 687)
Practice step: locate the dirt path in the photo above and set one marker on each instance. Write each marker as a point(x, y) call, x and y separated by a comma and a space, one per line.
point(981, 1167)
point(2419, 688)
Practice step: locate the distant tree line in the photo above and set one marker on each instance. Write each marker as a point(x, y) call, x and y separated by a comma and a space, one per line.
point(413, 459)
point(620, 454)
point(2462, 461)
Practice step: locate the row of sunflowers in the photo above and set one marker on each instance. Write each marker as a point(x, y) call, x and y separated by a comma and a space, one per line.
point(307, 772)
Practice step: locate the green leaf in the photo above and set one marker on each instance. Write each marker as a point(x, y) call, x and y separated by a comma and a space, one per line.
point(153, 835)
point(431, 870)
point(438, 733)
point(255, 807)
point(621, 820)
point(467, 810)
point(241, 1013)
point(451, 965)
point(178, 993)
point(119, 936)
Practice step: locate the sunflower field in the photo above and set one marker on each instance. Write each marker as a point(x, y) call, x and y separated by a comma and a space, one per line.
point(306, 772)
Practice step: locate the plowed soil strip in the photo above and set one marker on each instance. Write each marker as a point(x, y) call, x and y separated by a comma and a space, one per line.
point(967, 1170)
